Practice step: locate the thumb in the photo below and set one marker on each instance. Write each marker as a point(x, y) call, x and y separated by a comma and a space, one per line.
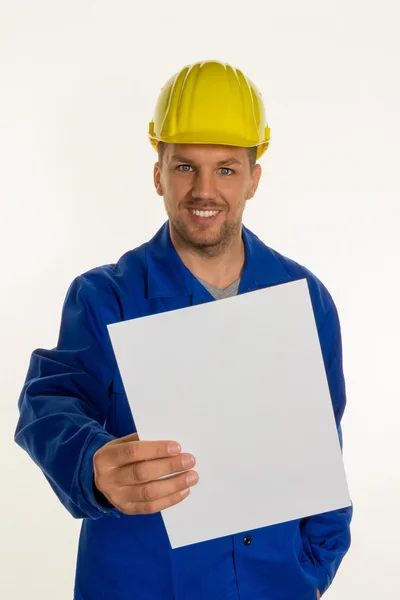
point(132, 437)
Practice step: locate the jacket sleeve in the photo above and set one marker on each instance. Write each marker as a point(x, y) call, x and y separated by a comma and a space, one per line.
point(66, 398)
point(326, 537)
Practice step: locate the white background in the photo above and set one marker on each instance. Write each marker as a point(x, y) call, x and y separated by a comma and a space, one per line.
point(79, 81)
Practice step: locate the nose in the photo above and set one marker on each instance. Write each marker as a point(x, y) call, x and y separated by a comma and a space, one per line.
point(204, 186)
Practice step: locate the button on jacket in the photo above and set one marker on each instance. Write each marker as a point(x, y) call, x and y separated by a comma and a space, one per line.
point(73, 402)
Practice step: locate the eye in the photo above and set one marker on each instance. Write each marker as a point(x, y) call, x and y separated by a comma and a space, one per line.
point(180, 168)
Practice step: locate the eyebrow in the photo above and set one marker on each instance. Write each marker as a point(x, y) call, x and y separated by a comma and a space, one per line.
point(228, 161)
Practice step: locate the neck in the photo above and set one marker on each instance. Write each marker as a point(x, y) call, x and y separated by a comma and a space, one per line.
point(219, 267)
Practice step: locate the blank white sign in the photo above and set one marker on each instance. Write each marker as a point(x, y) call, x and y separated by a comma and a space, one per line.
point(241, 384)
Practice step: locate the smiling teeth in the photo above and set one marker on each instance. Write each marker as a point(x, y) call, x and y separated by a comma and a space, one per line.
point(205, 213)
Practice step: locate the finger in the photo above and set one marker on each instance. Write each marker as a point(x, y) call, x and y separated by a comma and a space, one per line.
point(147, 508)
point(131, 452)
point(156, 490)
point(149, 470)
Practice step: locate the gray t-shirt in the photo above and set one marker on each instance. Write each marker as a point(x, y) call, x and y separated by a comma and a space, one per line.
point(218, 294)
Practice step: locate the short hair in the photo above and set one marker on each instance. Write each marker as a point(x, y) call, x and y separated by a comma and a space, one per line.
point(252, 153)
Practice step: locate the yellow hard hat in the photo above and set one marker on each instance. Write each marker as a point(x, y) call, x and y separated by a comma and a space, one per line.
point(210, 102)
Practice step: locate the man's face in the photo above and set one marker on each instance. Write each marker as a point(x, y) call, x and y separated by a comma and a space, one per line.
point(205, 189)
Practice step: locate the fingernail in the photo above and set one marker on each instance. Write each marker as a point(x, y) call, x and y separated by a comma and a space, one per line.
point(174, 448)
point(192, 478)
point(185, 493)
point(188, 461)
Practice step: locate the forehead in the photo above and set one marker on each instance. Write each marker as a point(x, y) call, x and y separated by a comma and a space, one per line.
point(206, 153)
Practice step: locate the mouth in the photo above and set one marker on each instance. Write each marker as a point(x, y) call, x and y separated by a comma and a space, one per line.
point(204, 212)
point(205, 216)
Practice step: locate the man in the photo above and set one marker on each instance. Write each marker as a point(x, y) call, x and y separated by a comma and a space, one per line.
point(209, 129)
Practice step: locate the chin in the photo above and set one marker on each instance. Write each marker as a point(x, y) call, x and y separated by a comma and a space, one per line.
point(205, 240)
point(200, 238)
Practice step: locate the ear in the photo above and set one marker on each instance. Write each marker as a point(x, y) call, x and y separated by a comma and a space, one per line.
point(157, 180)
point(255, 180)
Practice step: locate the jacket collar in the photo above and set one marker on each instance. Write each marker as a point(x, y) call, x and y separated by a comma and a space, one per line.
point(168, 277)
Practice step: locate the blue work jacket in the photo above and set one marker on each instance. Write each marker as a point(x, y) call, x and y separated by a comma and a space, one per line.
point(73, 402)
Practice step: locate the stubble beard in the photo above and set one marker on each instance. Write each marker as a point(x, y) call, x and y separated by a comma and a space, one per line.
point(211, 245)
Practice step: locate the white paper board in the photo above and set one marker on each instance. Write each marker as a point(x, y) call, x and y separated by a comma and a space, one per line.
point(241, 384)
